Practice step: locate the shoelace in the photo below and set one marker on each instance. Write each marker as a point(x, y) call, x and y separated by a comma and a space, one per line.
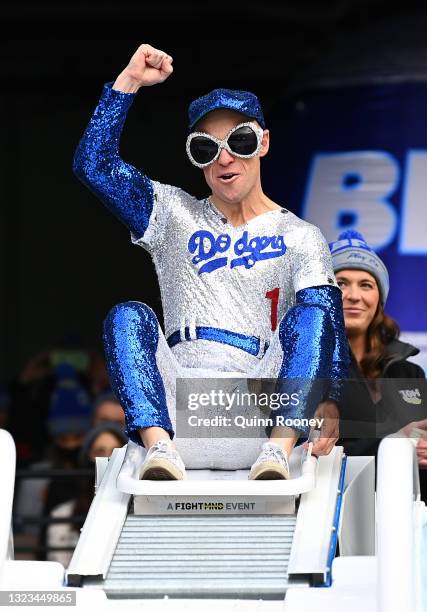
point(163, 447)
point(276, 453)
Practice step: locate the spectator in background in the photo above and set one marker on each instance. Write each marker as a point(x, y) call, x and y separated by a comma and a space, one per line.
point(107, 408)
point(31, 394)
point(99, 442)
point(69, 418)
point(387, 393)
point(97, 373)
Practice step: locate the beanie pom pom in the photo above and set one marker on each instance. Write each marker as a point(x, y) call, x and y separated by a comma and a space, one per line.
point(351, 234)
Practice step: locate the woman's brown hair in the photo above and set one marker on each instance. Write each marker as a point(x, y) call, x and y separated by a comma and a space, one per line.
point(382, 330)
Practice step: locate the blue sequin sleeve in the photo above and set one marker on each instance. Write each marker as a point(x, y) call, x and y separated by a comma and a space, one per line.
point(125, 190)
point(330, 298)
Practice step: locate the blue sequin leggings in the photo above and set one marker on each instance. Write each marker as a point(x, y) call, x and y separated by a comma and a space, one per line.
point(142, 368)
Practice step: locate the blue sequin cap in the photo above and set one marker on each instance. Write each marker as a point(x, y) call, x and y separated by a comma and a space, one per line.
point(351, 251)
point(243, 102)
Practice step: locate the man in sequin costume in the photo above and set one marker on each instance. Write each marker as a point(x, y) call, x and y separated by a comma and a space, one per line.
point(247, 287)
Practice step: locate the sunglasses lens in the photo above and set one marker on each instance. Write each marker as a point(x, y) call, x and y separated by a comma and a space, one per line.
point(243, 141)
point(203, 149)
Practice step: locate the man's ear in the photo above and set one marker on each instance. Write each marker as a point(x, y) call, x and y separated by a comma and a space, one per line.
point(265, 143)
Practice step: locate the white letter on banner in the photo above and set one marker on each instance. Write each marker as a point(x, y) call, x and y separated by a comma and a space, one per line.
point(350, 191)
point(413, 235)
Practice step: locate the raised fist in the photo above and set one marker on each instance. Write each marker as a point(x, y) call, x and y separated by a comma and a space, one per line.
point(147, 66)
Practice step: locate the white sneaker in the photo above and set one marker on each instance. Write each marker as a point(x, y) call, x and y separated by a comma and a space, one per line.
point(272, 464)
point(163, 463)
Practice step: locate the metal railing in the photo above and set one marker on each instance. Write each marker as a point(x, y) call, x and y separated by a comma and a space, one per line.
point(19, 522)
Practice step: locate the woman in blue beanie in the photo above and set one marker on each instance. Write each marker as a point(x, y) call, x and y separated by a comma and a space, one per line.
point(386, 392)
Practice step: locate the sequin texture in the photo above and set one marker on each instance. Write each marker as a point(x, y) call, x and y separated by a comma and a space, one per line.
point(230, 282)
point(243, 102)
point(126, 191)
point(330, 298)
point(214, 275)
point(307, 340)
point(210, 273)
point(130, 342)
point(249, 344)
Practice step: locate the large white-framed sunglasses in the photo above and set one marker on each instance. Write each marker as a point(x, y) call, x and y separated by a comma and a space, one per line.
point(244, 140)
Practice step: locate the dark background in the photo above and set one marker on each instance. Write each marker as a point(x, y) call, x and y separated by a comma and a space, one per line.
point(64, 259)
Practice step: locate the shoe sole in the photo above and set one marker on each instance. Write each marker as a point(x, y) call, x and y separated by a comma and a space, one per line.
point(269, 472)
point(159, 469)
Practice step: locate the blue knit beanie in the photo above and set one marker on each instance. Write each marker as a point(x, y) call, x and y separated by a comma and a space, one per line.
point(351, 251)
point(70, 408)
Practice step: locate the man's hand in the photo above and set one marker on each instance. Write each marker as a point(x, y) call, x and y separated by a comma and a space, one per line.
point(329, 432)
point(147, 66)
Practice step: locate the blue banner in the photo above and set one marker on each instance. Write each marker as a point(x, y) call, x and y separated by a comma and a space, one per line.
point(356, 157)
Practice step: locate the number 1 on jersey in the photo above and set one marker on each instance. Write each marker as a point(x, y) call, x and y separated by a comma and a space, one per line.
point(273, 295)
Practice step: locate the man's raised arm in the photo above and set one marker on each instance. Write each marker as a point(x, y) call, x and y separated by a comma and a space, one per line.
point(124, 189)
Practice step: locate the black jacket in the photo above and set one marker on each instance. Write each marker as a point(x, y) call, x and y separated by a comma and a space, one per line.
point(404, 399)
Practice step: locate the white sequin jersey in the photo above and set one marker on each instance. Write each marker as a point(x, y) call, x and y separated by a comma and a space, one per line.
point(242, 279)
